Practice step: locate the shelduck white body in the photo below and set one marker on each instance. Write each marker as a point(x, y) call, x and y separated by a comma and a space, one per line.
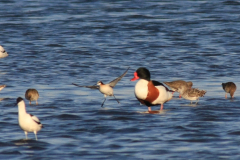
point(141, 92)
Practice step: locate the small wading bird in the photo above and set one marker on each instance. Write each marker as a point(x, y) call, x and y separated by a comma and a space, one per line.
point(174, 85)
point(229, 87)
point(191, 94)
point(27, 122)
point(150, 92)
point(32, 95)
point(106, 89)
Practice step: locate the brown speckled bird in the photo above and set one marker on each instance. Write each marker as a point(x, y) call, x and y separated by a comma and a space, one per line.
point(191, 93)
point(229, 87)
point(174, 85)
point(32, 95)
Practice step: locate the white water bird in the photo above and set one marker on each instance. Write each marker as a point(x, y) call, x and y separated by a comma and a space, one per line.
point(27, 122)
point(106, 89)
point(3, 53)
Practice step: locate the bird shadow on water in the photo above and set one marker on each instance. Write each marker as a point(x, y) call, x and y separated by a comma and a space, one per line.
point(155, 111)
point(190, 105)
point(108, 108)
point(33, 144)
point(176, 97)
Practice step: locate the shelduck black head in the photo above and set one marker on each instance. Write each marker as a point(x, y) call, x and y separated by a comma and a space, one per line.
point(142, 73)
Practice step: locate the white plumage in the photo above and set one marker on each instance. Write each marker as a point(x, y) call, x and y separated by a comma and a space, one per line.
point(141, 89)
point(164, 95)
point(3, 53)
point(150, 92)
point(27, 122)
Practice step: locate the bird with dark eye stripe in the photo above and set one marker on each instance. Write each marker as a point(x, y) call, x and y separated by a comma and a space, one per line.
point(27, 122)
point(3, 53)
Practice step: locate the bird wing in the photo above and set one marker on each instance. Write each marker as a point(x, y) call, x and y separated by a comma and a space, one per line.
point(169, 84)
point(92, 87)
point(195, 92)
point(35, 119)
point(175, 84)
point(156, 83)
point(2, 86)
point(115, 81)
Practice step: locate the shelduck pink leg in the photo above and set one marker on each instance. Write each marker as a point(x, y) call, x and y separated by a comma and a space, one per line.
point(149, 109)
point(161, 107)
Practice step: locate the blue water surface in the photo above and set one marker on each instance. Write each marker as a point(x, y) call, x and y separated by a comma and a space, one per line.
point(52, 44)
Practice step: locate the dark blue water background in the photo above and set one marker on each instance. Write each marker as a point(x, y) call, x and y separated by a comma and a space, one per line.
point(52, 44)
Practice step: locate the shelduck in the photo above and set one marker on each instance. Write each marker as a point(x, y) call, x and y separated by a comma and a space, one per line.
point(150, 92)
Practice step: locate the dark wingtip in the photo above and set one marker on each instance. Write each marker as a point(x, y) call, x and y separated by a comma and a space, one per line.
point(74, 84)
point(19, 99)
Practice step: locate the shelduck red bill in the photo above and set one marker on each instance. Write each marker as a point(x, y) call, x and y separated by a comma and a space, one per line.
point(135, 77)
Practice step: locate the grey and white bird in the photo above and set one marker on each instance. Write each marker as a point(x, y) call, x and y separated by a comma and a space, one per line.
point(229, 87)
point(106, 89)
point(27, 122)
point(32, 95)
point(3, 53)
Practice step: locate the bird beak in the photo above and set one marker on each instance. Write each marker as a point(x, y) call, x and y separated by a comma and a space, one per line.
point(135, 77)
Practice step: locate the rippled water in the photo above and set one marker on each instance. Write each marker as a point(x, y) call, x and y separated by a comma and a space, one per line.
point(52, 44)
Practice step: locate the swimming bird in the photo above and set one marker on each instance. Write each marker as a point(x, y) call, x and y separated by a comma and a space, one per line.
point(174, 85)
point(150, 92)
point(3, 53)
point(229, 87)
point(32, 95)
point(191, 94)
point(2, 86)
point(106, 89)
point(27, 122)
